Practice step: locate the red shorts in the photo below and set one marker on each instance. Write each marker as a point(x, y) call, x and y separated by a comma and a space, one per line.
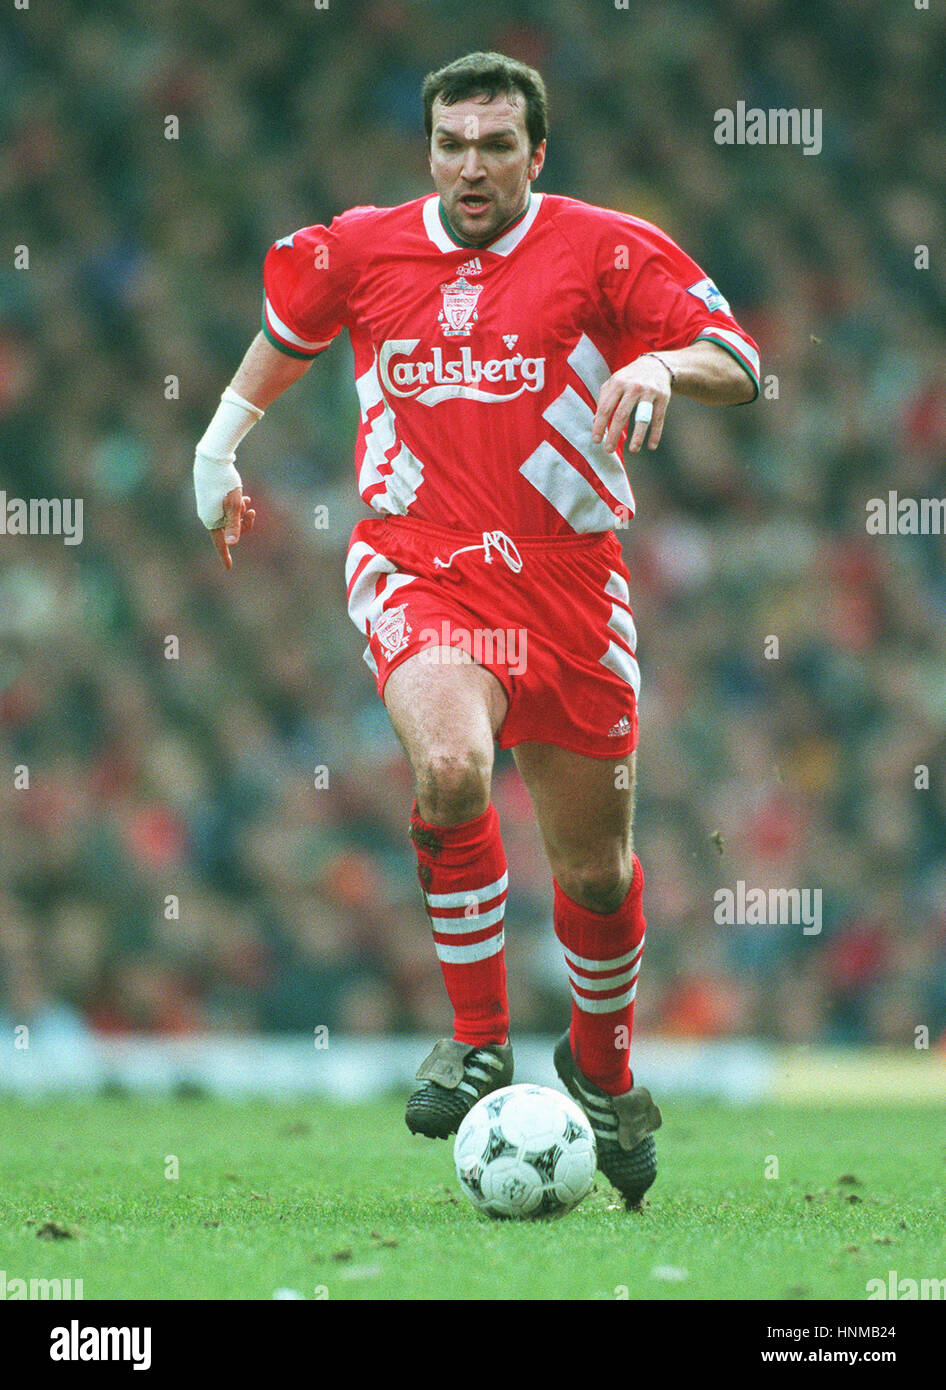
point(548, 616)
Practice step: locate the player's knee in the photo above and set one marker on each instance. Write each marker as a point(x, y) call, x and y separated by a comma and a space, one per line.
point(453, 785)
point(600, 882)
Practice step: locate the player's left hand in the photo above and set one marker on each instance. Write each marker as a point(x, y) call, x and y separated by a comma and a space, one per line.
point(645, 379)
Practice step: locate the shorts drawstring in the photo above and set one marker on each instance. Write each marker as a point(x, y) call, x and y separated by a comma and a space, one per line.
point(499, 541)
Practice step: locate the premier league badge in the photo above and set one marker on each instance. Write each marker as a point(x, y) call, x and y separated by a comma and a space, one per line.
point(458, 314)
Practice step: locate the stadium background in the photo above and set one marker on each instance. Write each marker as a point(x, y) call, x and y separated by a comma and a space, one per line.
point(193, 777)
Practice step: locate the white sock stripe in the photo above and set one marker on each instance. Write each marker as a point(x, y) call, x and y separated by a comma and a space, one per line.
point(466, 955)
point(458, 926)
point(470, 1090)
point(597, 966)
point(626, 977)
point(462, 899)
point(460, 939)
point(604, 1006)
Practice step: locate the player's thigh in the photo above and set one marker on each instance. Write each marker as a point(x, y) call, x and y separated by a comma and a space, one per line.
point(584, 806)
point(442, 703)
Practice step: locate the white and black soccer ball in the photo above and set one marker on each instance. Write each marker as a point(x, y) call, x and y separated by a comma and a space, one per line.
point(525, 1151)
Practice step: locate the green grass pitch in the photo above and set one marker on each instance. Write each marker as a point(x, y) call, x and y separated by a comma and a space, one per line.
point(341, 1202)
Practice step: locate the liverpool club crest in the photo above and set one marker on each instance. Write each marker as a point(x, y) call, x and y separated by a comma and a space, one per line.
point(392, 630)
point(458, 314)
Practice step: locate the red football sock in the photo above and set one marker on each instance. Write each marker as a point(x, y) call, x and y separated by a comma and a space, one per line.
point(603, 955)
point(462, 870)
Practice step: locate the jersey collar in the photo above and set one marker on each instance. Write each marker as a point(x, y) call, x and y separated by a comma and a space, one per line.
point(508, 241)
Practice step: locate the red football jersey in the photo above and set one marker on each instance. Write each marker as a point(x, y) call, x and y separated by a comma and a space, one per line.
point(478, 368)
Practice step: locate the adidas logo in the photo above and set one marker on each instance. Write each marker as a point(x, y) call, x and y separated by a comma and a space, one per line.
point(510, 339)
point(623, 726)
point(472, 267)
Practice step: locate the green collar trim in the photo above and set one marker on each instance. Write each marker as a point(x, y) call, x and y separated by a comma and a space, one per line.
point(479, 246)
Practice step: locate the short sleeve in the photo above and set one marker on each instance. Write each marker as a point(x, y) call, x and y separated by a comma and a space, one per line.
point(663, 299)
point(307, 279)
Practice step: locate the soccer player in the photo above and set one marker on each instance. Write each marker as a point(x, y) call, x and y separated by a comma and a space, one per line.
point(503, 341)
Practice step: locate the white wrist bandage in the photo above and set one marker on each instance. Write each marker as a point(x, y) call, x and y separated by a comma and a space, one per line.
point(214, 472)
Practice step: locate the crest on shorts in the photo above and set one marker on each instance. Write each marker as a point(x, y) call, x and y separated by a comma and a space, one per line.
point(458, 314)
point(392, 630)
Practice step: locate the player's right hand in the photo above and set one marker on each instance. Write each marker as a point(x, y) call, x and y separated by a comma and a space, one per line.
point(238, 518)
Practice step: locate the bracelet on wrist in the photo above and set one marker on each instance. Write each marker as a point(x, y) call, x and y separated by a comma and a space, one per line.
point(658, 358)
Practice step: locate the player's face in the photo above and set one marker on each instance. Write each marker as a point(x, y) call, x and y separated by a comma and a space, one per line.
point(481, 163)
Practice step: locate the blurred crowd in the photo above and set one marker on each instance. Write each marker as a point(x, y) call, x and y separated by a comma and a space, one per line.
point(203, 810)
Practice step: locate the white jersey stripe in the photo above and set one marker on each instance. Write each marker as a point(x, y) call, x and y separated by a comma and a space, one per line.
point(404, 473)
point(368, 386)
point(588, 365)
point(564, 488)
point(573, 419)
point(406, 476)
point(381, 434)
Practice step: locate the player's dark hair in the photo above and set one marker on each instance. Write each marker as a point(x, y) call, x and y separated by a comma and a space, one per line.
point(489, 75)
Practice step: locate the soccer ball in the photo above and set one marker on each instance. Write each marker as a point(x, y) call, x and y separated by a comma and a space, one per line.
point(525, 1151)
